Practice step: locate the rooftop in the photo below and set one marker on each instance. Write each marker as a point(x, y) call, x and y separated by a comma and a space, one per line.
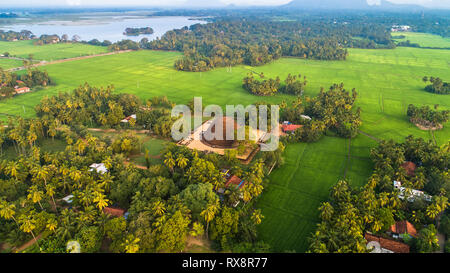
point(385, 244)
point(403, 227)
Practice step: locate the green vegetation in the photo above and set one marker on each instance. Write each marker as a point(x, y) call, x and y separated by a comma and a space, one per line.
point(424, 39)
point(381, 202)
point(10, 63)
point(387, 82)
point(437, 86)
point(427, 117)
point(49, 52)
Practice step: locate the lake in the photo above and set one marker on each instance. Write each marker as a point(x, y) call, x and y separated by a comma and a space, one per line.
point(105, 28)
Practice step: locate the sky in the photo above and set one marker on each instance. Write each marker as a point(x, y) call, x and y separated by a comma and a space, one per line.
point(427, 3)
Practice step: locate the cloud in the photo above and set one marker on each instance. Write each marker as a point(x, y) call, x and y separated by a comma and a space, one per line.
point(73, 2)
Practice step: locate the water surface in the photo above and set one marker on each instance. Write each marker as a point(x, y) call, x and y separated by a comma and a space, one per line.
point(105, 28)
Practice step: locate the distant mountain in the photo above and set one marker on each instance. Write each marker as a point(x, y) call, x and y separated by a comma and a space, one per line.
point(347, 4)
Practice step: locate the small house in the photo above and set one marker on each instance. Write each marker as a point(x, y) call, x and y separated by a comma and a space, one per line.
point(401, 228)
point(114, 212)
point(127, 119)
point(290, 128)
point(411, 194)
point(409, 167)
point(99, 168)
point(22, 90)
point(68, 199)
point(383, 245)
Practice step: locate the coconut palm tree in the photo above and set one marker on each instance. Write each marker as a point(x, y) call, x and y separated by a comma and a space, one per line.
point(169, 161)
point(28, 224)
point(7, 211)
point(257, 216)
point(209, 213)
point(35, 195)
point(159, 208)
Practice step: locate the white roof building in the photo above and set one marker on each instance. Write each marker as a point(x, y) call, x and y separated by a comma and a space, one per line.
point(127, 119)
point(99, 168)
point(411, 194)
point(305, 117)
point(68, 199)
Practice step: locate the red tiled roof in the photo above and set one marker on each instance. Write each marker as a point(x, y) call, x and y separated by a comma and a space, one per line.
point(290, 127)
point(22, 89)
point(114, 211)
point(394, 246)
point(409, 167)
point(235, 181)
point(403, 227)
point(19, 81)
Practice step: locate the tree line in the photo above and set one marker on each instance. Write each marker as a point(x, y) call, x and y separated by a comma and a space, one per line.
point(293, 85)
point(331, 110)
point(437, 86)
point(426, 116)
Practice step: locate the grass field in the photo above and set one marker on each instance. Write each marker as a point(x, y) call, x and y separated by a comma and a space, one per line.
point(51, 52)
point(386, 80)
point(46, 145)
point(425, 39)
point(9, 63)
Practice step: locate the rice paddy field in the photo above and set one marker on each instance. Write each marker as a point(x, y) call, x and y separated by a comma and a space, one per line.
point(23, 49)
point(9, 63)
point(425, 39)
point(386, 81)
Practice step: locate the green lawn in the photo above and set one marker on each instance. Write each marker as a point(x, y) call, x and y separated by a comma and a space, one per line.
point(386, 80)
point(424, 39)
point(51, 52)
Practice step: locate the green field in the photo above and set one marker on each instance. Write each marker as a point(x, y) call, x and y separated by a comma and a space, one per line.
point(10, 63)
point(154, 147)
point(46, 145)
point(386, 80)
point(424, 39)
point(51, 52)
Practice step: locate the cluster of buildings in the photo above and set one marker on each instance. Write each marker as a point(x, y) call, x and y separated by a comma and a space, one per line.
point(20, 88)
point(110, 210)
point(400, 28)
point(393, 243)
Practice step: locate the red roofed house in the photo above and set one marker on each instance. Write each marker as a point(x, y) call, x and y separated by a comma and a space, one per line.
point(403, 227)
point(409, 167)
point(290, 128)
point(22, 90)
point(236, 181)
point(116, 212)
point(20, 82)
point(383, 245)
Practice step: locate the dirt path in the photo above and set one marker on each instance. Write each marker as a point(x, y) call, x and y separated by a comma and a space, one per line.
point(69, 60)
point(27, 244)
point(126, 163)
point(372, 137)
point(115, 131)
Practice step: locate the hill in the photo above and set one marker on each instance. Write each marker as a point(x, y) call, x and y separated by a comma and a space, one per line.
point(348, 4)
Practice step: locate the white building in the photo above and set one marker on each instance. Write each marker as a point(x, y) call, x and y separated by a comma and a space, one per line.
point(411, 194)
point(99, 168)
point(127, 119)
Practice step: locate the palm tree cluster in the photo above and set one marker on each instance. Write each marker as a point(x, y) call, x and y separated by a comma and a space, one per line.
point(351, 213)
